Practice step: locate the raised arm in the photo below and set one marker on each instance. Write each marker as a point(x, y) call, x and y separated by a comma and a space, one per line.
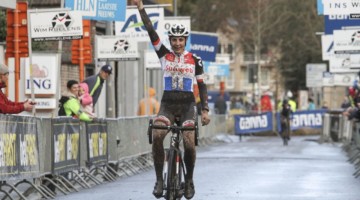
point(154, 37)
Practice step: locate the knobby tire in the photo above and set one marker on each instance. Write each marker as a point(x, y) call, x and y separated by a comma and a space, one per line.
point(173, 180)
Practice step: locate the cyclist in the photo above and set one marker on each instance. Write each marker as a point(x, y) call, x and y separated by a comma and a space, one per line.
point(180, 69)
point(284, 119)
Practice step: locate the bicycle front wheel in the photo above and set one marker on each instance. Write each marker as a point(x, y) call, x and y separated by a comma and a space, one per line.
point(174, 190)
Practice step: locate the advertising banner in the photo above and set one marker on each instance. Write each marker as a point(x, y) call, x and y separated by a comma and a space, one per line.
point(344, 63)
point(120, 47)
point(336, 7)
point(217, 69)
point(337, 22)
point(327, 44)
point(105, 10)
point(304, 119)
point(18, 147)
point(245, 124)
point(133, 23)
point(46, 25)
point(151, 60)
point(8, 4)
point(44, 71)
point(97, 140)
point(66, 144)
point(204, 45)
point(346, 41)
point(314, 74)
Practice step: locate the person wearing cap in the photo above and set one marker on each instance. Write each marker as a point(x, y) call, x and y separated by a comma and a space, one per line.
point(95, 82)
point(7, 106)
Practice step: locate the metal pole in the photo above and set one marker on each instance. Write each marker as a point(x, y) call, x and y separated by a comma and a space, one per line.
point(175, 7)
point(258, 50)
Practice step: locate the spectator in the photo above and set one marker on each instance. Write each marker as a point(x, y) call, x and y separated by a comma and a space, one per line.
point(86, 100)
point(71, 103)
point(220, 104)
point(149, 105)
point(346, 102)
point(7, 106)
point(95, 82)
point(265, 102)
point(311, 104)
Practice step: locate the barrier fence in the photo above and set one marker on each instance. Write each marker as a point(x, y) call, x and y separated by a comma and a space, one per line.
point(39, 156)
point(338, 128)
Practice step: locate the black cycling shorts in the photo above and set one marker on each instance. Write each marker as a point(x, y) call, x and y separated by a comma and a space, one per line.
point(178, 104)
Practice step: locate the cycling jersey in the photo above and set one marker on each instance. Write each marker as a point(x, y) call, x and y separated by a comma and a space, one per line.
point(180, 71)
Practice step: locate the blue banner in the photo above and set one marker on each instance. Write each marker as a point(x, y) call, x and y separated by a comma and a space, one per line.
point(304, 119)
point(336, 22)
point(217, 69)
point(107, 10)
point(204, 45)
point(253, 123)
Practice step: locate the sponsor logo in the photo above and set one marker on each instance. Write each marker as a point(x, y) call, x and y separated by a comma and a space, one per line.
point(307, 120)
point(121, 46)
point(200, 47)
point(253, 122)
point(182, 70)
point(355, 37)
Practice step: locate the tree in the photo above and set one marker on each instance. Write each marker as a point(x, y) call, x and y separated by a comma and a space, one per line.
point(287, 26)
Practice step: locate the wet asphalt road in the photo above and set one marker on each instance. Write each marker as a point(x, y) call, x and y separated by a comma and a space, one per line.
point(256, 168)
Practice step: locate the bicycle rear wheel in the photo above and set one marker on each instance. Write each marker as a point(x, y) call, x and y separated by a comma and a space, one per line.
point(173, 183)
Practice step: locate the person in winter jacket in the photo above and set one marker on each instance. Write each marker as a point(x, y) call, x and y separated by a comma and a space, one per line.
point(86, 100)
point(71, 103)
point(95, 82)
point(7, 106)
point(149, 105)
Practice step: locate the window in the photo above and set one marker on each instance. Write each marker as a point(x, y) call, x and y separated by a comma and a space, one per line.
point(227, 49)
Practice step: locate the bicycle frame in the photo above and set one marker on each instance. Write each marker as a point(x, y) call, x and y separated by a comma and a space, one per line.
point(174, 170)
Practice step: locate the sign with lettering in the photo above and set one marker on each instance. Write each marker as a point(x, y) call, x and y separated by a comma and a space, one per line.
point(347, 41)
point(332, 7)
point(133, 23)
point(120, 47)
point(304, 119)
point(204, 45)
point(253, 123)
point(337, 22)
point(44, 71)
point(47, 25)
point(107, 10)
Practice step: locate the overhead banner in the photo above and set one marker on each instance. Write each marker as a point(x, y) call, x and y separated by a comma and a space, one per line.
point(97, 140)
point(304, 119)
point(347, 41)
point(103, 10)
point(133, 23)
point(66, 144)
point(18, 147)
point(120, 47)
point(336, 7)
point(337, 22)
point(245, 124)
point(204, 45)
point(46, 25)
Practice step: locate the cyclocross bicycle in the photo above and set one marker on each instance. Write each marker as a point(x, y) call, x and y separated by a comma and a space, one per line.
point(174, 167)
point(285, 130)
